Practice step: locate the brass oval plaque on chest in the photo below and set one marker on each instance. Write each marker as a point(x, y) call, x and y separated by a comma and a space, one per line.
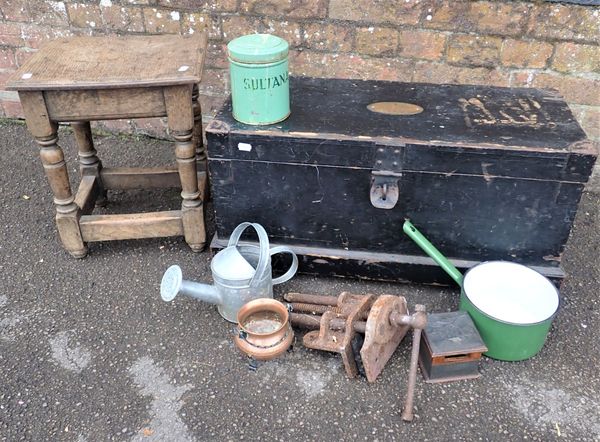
point(395, 108)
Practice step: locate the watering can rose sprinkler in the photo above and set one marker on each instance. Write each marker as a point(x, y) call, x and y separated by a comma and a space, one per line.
point(241, 273)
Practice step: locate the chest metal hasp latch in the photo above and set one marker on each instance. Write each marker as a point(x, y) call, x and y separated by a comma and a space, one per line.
point(385, 176)
point(384, 189)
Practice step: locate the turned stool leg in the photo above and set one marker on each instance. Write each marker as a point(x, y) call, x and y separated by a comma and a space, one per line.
point(192, 207)
point(53, 159)
point(67, 212)
point(89, 163)
point(179, 104)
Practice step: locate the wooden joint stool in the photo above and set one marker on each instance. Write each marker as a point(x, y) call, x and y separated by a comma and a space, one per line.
point(84, 79)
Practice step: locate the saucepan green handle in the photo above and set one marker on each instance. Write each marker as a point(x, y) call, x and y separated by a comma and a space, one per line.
point(433, 253)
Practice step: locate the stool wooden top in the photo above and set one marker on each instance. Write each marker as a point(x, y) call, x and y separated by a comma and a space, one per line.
point(113, 62)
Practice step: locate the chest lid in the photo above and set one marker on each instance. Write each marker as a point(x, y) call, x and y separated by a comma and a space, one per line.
point(522, 132)
point(451, 114)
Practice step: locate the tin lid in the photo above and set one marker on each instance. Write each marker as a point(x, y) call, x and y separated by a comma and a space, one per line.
point(257, 48)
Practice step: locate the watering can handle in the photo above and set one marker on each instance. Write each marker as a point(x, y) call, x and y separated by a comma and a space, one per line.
point(263, 257)
point(293, 268)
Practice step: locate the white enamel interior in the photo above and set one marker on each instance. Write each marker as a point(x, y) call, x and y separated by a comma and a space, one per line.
point(511, 292)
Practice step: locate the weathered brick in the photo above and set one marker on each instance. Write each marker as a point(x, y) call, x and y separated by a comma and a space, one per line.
point(15, 10)
point(591, 122)
point(84, 15)
point(290, 31)
point(216, 56)
point(588, 118)
point(286, 8)
point(426, 45)
point(525, 54)
point(35, 36)
point(7, 59)
point(10, 34)
point(210, 105)
point(578, 112)
point(498, 17)
point(328, 37)
point(404, 12)
point(23, 54)
point(89, 31)
point(388, 69)
point(48, 13)
point(446, 15)
point(572, 57)
point(377, 41)
point(487, 17)
point(577, 90)
point(311, 64)
point(4, 75)
point(162, 21)
point(214, 82)
point(428, 72)
point(42, 12)
point(12, 109)
point(522, 78)
point(200, 5)
point(122, 18)
point(200, 22)
point(474, 50)
point(320, 64)
point(235, 26)
point(565, 22)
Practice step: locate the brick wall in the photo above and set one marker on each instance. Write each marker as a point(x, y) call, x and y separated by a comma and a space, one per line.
point(506, 43)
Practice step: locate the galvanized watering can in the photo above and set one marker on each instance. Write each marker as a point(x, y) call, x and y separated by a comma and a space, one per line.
point(241, 273)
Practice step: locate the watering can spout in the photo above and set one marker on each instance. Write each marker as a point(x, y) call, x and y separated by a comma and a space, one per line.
point(173, 284)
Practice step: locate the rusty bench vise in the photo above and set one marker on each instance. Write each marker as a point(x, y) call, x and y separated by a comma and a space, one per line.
point(383, 320)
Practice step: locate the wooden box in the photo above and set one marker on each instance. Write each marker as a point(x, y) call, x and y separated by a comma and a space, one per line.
point(450, 348)
point(484, 172)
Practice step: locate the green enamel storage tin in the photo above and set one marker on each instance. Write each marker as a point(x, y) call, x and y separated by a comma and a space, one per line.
point(260, 89)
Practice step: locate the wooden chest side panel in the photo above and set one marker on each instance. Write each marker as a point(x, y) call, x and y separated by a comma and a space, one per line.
point(543, 165)
point(469, 217)
point(248, 147)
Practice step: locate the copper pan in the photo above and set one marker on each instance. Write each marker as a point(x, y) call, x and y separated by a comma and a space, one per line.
point(264, 330)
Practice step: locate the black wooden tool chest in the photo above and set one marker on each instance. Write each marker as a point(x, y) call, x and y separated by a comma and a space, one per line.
point(484, 172)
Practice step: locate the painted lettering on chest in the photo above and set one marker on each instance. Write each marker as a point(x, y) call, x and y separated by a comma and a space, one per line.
point(262, 84)
point(523, 111)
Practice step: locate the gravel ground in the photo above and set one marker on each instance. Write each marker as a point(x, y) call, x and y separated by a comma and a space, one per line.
point(89, 352)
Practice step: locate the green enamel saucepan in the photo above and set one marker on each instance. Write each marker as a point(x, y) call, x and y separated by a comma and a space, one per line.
point(511, 305)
